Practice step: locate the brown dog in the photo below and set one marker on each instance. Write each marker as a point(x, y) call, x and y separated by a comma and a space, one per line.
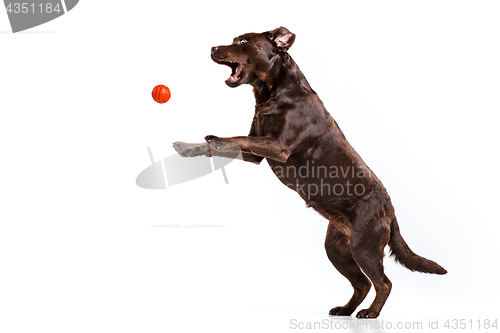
point(308, 152)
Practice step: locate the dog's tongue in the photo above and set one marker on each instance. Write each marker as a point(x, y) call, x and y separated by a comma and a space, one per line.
point(234, 76)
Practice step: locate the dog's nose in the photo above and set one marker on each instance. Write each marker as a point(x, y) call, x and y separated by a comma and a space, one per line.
point(214, 49)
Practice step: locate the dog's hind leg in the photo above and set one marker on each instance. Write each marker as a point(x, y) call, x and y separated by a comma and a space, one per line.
point(367, 245)
point(337, 245)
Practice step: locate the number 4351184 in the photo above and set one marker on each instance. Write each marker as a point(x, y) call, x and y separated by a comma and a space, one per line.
point(472, 324)
point(25, 8)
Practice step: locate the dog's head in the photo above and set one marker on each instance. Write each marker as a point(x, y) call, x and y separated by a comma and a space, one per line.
point(254, 57)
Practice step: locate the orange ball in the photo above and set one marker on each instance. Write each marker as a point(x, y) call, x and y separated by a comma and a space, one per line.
point(161, 93)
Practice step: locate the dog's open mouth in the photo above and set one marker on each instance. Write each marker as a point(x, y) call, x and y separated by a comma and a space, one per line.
point(235, 70)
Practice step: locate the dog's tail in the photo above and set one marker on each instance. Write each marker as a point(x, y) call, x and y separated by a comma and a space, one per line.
point(406, 257)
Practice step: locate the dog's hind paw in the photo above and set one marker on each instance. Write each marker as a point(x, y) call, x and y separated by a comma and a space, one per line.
point(340, 311)
point(367, 313)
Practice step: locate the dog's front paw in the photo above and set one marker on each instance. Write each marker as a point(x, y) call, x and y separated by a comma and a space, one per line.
point(181, 148)
point(190, 149)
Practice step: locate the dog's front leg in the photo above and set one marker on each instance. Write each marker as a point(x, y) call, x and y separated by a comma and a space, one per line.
point(229, 151)
point(268, 147)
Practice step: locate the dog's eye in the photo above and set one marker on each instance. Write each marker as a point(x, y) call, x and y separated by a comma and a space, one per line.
point(242, 41)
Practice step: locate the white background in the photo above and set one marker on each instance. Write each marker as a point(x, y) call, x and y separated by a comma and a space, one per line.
point(413, 85)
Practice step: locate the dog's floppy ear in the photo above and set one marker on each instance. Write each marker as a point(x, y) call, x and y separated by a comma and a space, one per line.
point(282, 37)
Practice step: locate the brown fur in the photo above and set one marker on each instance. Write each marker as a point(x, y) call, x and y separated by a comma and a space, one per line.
point(294, 132)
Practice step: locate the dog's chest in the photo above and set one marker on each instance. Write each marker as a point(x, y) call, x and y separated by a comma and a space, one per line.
point(267, 123)
point(258, 124)
point(264, 125)
point(269, 118)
